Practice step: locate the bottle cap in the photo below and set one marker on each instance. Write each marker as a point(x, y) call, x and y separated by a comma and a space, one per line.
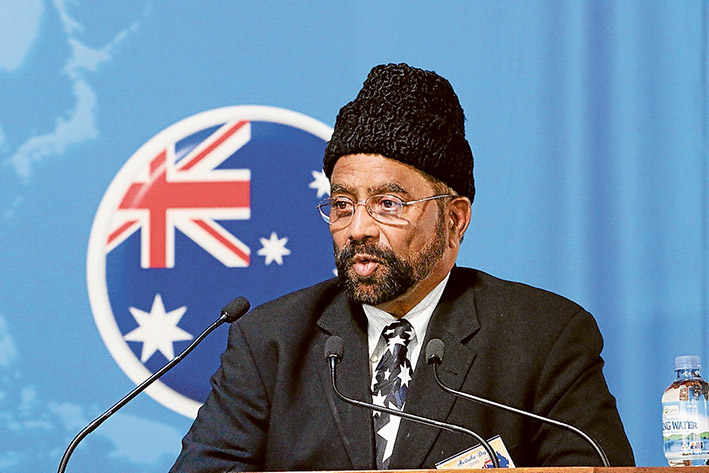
point(690, 362)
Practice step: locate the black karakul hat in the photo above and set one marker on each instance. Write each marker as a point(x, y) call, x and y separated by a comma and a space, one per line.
point(410, 115)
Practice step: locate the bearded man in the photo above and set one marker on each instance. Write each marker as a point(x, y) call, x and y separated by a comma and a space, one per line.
point(401, 176)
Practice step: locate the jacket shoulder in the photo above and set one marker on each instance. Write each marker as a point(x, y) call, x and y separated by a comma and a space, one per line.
point(295, 309)
point(499, 301)
point(496, 291)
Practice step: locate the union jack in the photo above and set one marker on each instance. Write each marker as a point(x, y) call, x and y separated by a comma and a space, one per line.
point(190, 195)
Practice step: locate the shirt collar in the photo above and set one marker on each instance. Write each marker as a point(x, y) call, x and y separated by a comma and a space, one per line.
point(418, 317)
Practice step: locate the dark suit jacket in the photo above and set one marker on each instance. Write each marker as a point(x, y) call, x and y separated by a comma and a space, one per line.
point(272, 406)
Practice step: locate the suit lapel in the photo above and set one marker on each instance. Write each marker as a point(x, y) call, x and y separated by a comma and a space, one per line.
point(454, 321)
point(354, 423)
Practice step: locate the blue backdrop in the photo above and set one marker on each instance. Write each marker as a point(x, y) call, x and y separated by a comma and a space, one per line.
point(588, 121)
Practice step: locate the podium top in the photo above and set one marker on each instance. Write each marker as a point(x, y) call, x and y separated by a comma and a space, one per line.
point(566, 469)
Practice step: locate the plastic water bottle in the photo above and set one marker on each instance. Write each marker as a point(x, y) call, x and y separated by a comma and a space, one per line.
point(685, 415)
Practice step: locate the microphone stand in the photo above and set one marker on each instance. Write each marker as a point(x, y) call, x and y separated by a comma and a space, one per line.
point(333, 359)
point(230, 313)
point(488, 402)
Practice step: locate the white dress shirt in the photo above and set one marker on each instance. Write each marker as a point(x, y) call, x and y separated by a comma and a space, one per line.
point(418, 317)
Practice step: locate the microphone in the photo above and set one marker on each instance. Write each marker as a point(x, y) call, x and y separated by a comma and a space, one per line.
point(434, 357)
point(334, 348)
point(230, 313)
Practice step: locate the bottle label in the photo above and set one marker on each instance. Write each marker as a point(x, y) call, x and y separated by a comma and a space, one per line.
point(685, 428)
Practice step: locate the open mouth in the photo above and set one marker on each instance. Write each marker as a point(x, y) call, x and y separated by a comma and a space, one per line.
point(364, 265)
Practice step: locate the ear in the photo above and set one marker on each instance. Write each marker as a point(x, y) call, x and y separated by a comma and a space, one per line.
point(458, 219)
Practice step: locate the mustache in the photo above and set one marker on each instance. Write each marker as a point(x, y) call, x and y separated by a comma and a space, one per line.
point(344, 257)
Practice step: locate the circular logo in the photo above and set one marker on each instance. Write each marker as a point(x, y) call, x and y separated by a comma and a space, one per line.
point(218, 205)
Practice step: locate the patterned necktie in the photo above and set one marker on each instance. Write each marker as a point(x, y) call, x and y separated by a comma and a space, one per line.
point(390, 386)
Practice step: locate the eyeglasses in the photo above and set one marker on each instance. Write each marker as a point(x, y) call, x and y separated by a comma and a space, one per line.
point(387, 209)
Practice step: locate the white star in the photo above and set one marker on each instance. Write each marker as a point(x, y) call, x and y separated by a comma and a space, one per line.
point(387, 373)
point(274, 249)
point(157, 329)
point(405, 375)
point(378, 399)
point(320, 183)
point(395, 341)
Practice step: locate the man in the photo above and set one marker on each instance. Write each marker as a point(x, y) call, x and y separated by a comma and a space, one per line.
point(402, 185)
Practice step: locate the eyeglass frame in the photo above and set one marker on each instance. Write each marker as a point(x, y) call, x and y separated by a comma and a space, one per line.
point(370, 212)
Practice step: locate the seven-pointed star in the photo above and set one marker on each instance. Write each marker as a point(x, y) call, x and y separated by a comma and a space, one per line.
point(405, 375)
point(157, 329)
point(320, 183)
point(379, 399)
point(393, 341)
point(274, 248)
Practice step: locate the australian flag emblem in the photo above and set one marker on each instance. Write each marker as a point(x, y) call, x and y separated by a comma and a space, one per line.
point(217, 205)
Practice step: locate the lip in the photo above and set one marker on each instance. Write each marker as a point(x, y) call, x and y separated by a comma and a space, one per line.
point(364, 265)
point(364, 258)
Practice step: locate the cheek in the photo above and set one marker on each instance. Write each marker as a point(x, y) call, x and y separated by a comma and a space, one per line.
point(339, 238)
point(418, 237)
point(402, 242)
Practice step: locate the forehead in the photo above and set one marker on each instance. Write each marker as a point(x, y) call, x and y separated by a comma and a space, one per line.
point(373, 173)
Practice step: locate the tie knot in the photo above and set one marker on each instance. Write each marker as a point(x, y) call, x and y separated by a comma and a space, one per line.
point(400, 331)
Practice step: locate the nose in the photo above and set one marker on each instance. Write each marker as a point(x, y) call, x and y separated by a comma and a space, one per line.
point(362, 226)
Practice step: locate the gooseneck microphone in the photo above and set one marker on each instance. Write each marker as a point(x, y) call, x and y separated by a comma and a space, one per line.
point(334, 349)
point(434, 356)
point(230, 313)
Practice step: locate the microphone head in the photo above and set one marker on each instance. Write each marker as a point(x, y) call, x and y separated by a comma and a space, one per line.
point(434, 351)
point(334, 348)
point(235, 309)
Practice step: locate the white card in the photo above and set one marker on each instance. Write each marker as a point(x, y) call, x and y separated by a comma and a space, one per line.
point(477, 457)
